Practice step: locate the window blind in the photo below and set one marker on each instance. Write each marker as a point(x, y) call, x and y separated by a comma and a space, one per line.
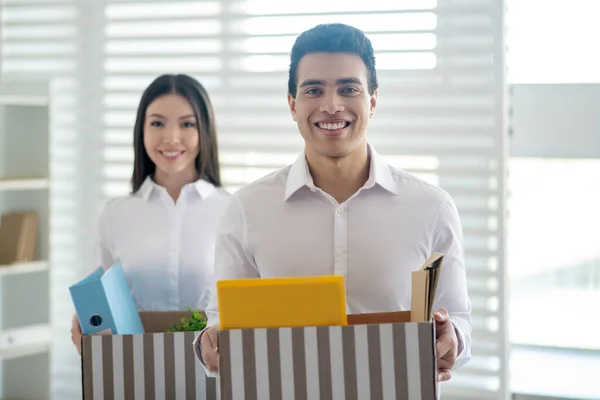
point(440, 115)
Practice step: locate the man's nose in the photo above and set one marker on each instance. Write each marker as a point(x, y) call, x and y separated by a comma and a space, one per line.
point(332, 104)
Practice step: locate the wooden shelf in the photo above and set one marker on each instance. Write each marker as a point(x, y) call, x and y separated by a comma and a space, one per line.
point(23, 268)
point(24, 184)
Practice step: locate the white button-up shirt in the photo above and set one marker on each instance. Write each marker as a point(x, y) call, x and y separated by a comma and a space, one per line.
point(166, 248)
point(283, 225)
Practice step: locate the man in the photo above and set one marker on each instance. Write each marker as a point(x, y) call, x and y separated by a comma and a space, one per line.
point(340, 209)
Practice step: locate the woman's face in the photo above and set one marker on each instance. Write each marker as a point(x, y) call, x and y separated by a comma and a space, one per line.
point(171, 135)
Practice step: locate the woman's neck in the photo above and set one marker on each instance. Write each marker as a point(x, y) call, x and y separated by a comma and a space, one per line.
point(173, 183)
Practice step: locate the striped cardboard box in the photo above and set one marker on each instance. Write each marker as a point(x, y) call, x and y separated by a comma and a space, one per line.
point(355, 362)
point(146, 366)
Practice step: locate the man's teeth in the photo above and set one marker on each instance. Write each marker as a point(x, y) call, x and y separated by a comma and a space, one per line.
point(171, 153)
point(332, 127)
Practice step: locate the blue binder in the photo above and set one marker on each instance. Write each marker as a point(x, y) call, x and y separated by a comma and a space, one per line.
point(103, 303)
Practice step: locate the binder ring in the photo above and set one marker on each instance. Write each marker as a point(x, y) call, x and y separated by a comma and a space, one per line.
point(96, 320)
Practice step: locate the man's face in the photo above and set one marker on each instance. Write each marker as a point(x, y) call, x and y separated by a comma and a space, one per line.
point(332, 105)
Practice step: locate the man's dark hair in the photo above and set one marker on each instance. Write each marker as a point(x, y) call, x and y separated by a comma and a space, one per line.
point(332, 38)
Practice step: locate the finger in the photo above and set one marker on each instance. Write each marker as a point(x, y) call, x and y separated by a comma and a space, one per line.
point(443, 346)
point(209, 359)
point(444, 375)
point(207, 348)
point(443, 352)
point(441, 315)
point(209, 338)
point(211, 334)
point(445, 364)
point(210, 353)
point(77, 342)
point(213, 365)
point(443, 329)
point(76, 335)
point(212, 361)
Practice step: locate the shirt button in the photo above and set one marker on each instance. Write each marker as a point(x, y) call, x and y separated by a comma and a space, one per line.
point(340, 210)
point(340, 252)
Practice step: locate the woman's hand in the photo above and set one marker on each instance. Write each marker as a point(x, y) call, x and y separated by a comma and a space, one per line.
point(76, 333)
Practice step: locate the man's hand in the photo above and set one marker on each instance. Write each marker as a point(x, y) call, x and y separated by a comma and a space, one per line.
point(446, 344)
point(210, 351)
point(76, 333)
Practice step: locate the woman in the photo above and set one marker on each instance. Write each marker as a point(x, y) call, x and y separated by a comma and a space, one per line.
point(163, 233)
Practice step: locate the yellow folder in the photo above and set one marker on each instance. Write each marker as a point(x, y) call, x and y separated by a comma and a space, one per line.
point(282, 302)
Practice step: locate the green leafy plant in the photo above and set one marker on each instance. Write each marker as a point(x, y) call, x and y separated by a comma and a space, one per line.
point(195, 322)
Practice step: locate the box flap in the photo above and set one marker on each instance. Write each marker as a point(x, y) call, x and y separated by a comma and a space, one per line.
point(93, 277)
point(379, 318)
point(424, 286)
point(18, 237)
point(161, 321)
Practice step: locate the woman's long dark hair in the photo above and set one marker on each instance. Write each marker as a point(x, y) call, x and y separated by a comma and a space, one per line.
point(207, 161)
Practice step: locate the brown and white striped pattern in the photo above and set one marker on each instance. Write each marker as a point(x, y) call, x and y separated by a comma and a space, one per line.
point(357, 362)
point(148, 366)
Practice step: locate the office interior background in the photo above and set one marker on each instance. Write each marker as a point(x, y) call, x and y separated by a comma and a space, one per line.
point(496, 101)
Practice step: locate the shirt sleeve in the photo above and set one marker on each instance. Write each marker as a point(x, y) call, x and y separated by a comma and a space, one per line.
point(232, 260)
point(452, 293)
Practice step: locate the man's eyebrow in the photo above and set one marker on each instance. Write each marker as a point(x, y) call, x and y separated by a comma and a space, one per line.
point(311, 82)
point(345, 81)
point(341, 81)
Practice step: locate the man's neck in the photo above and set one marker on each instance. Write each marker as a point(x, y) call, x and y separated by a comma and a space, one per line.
point(340, 177)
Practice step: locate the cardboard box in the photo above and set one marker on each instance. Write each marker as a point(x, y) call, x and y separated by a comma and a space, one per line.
point(18, 237)
point(153, 365)
point(376, 356)
point(103, 303)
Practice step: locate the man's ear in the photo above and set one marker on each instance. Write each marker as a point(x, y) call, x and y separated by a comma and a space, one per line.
point(374, 98)
point(292, 104)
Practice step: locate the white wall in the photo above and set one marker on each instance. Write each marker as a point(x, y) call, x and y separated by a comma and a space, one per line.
point(556, 120)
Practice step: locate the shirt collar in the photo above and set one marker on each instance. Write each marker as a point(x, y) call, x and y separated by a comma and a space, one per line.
point(201, 186)
point(379, 173)
point(298, 177)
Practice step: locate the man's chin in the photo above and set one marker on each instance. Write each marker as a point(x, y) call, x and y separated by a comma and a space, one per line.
point(337, 151)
